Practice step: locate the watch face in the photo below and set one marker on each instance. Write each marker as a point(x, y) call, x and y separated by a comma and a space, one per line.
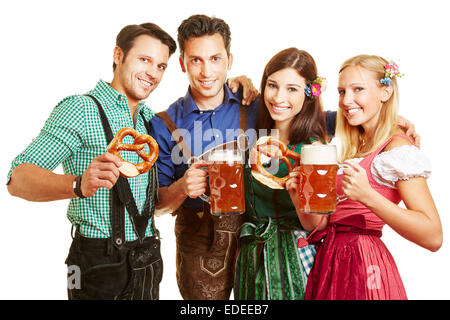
point(74, 184)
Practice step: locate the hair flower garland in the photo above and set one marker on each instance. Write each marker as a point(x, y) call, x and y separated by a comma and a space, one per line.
point(391, 71)
point(315, 88)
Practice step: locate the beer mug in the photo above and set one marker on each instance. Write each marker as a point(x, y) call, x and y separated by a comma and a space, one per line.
point(226, 182)
point(318, 170)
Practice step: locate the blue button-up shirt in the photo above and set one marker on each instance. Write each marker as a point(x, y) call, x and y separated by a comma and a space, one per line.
point(202, 130)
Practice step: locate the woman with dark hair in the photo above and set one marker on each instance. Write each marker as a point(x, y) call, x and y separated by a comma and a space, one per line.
point(269, 263)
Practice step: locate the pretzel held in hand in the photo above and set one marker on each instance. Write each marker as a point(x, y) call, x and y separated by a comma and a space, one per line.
point(128, 169)
point(274, 149)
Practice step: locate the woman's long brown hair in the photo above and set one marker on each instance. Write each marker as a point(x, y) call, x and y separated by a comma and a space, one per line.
point(310, 121)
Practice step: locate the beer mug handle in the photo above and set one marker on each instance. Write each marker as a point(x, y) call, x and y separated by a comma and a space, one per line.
point(192, 160)
point(203, 196)
point(341, 197)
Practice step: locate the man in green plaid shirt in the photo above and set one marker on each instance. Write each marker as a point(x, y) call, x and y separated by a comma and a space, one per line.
point(73, 136)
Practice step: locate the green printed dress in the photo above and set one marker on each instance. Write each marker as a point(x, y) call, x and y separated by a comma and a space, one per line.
point(269, 265)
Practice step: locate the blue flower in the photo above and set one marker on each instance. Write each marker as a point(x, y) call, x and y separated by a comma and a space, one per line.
point(386, 81)
point(308, 91)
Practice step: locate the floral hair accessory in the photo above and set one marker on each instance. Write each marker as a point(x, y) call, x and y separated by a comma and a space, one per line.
point(391, 71)
point(314, 89)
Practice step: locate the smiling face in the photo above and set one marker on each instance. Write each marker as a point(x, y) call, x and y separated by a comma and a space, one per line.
point(284, 95)
point(141, 71)
point(206, 63)
point(361, 97)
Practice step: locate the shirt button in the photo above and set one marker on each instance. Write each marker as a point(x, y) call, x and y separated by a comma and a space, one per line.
point(214, 112)
point(217, 135)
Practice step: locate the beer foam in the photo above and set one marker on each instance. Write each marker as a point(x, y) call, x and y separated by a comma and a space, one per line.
point(225, 156)
point(318, 154)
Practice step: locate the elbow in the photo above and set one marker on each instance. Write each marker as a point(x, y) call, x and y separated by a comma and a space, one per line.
point(168, 202)
point(159, 211)
point(13, 189)
point(16, 183)
point(437, 239)
point(435, 244)
point(162, 209)
point(15, 192)
point(311, 222)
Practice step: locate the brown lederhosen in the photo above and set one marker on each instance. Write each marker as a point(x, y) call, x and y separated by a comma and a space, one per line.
point(206, 244)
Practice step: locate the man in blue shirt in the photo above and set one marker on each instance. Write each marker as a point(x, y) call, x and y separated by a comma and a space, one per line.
point(209, 115)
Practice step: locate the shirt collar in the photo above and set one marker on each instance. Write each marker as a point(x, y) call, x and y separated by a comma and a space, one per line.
point(190, 106)
point(104, 91)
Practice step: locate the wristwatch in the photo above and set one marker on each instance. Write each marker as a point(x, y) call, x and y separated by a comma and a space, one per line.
point(77, 187)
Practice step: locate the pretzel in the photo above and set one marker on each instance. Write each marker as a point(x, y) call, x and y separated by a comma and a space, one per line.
point(128, 169)
point(272, 148)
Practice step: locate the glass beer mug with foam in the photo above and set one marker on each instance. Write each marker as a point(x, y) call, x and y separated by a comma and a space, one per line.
point(226, 182)
point(318, 170)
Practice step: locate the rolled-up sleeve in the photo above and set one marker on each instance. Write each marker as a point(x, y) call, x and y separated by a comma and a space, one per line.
point(60, 137)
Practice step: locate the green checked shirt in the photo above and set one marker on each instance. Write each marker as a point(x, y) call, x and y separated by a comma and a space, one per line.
point(73, 136)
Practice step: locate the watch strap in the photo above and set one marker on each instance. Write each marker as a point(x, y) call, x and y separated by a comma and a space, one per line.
point(77, 188)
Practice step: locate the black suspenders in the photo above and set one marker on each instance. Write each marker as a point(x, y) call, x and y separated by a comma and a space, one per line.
point(122, 197)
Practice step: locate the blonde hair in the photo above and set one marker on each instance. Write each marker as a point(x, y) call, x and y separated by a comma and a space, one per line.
point(351, 137)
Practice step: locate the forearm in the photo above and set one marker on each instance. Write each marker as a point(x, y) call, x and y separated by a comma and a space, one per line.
point(414, 225)
point(170, 198)
point(34, 183)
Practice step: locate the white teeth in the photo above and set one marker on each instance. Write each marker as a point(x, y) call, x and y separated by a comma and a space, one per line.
point(351, 111)
point(278, 108)
point(207, 83)
point(146, 83)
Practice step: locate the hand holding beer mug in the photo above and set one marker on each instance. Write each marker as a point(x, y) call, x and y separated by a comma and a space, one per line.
point(226, 182)
point(318, 170)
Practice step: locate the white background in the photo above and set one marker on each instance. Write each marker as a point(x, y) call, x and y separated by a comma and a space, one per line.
point(51, 49)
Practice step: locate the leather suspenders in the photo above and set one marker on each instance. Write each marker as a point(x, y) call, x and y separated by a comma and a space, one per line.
point(122, 197)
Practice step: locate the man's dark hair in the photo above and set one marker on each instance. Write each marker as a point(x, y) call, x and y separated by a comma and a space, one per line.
point(126, 37)
point(200, 25)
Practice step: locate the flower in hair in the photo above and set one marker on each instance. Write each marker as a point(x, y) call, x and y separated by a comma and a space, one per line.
point(391, 71)
point(386, 81)
point(308, 91)
point(315, 88)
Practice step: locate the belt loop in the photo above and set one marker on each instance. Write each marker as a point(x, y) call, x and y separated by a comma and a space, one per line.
point(109, 247)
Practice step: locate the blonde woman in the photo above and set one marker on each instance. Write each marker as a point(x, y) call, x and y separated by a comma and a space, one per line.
point(384, 168)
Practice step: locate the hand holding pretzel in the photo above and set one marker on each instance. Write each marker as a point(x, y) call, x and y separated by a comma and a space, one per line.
point(128, 169)
point(272, 148)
